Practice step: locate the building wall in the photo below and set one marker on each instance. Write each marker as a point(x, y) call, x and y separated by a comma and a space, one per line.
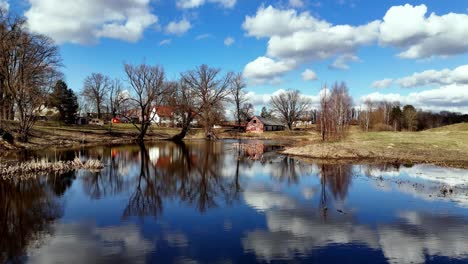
point(255, 126)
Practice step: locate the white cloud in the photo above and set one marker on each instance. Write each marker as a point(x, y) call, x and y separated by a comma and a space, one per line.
point(4, 5)
point(309, 75)
point(188, 4)
point(270, 22)
point(382, 83)
point(178, 28)
point(88, 20)
point(264, 68)
point(407, 27)
point(300, 37)
point(229, 41)
point(450, 98)
point(165, 42)
point(458, 75)
point(341, 63)
point(296, 3)
point(204, 36)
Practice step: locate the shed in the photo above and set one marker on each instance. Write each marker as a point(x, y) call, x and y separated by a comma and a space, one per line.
point(259, 124)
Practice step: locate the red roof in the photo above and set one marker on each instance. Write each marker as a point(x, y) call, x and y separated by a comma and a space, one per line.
point(165, 111)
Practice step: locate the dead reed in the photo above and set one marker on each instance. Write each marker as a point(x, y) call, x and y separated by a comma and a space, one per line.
point(31, 169)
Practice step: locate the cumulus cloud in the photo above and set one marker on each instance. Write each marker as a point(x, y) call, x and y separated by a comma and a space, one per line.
point(165, 42)
point(178, 27)
point(458, 75)
point(4, 5)
point(341, 63)
point(309, 75)
point(263, 69)
point(300, 37)
point(450, 98)
point(229, 41)
point(422, 36)
point(188, 4)
point(382, 83)
point(88, 20)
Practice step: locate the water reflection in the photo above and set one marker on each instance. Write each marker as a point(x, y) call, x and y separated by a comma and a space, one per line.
point(27, 209)
point(208, 202)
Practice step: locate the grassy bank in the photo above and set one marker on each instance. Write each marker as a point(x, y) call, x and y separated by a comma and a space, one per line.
point(446, 146)
point(49, 134)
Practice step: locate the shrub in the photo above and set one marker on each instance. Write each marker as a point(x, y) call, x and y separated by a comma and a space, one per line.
point(7, 136)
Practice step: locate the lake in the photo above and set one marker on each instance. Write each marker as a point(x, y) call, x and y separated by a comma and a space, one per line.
point(211, 202)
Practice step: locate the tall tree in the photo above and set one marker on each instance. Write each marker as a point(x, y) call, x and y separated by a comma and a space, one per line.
point(183, 100)
point(290, 106)
point(29, 65)
point(95, 88)
point(335, 111)
point(410, 116)
point(247, 112)
point(211, 91)
point(65, 101)
point(148, 93)
point(116, 97)
point(266, 113)
point(238, 96)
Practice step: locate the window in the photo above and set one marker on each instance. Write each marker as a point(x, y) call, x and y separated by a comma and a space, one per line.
point(255, 121)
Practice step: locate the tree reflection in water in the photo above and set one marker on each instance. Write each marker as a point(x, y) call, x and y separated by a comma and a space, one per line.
point(27, 210)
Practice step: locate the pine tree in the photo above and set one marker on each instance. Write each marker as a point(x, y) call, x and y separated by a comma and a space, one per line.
point(65, 101)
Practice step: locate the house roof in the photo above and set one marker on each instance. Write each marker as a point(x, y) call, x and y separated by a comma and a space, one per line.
point(165, 111)
point(269, 121)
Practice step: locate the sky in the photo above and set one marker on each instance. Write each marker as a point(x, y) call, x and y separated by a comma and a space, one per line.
point(414, 52)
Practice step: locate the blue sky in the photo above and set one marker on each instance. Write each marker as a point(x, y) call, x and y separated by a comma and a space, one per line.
point(100, 35)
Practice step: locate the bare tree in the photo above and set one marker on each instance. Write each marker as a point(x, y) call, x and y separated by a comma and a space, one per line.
point(149, 90)
point(247, 112)
point(29, 67)
point(335, 112)
point(238, 96)
point(367, 114)
point(290, 106)
point(183, 100)
point(210, 91)
point(116, 97)
point(95, 88)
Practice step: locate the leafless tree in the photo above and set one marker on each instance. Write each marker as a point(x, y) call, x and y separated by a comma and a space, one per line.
point(238, 96)
point(335, 111)
point(183, 100)
point(366, 118)
point(210, 91)
point(95, 89)
point(148, 92)
point(290, 106)
point(116, 97)
point(29, 66)
point(247, 112)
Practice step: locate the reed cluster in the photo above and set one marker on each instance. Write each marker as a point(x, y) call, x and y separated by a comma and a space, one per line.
point(32, 168)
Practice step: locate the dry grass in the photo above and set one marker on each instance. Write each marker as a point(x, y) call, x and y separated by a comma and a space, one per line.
point(31, 169)
point(443, 146)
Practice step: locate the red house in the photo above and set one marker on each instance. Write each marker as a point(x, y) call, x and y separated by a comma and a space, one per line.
point(259, 124)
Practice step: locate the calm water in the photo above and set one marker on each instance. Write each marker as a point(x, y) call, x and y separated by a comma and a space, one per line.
point(207, 203)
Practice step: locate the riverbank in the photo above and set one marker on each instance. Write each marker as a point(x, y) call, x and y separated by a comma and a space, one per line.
point(445, 146)
point(46, 135)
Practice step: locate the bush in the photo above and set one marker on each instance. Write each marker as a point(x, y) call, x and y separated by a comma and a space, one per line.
point(7, 136)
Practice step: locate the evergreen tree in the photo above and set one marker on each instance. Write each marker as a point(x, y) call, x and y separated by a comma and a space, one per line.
point(266, 113)
point(65, 101)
